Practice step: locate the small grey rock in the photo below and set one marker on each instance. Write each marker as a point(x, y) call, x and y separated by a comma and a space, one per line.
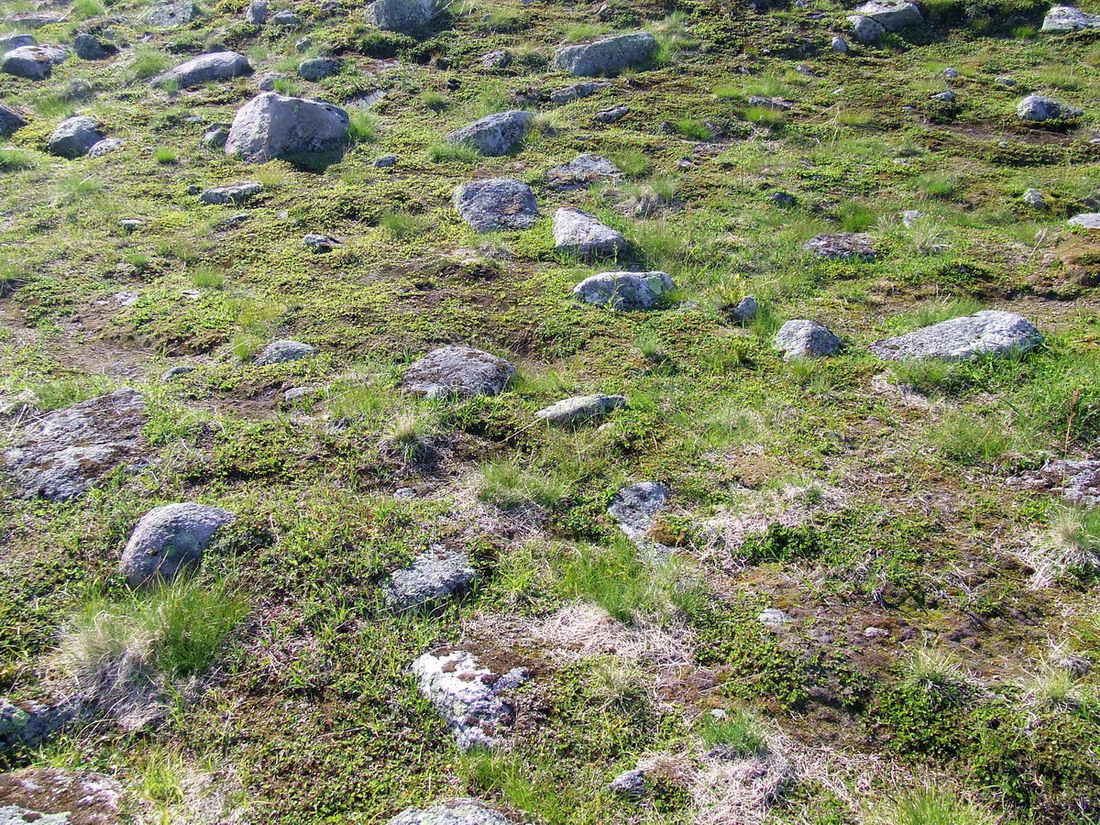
point(1068, 18)
point(32, 62)
point(385, 161)
point(404, 16)
point(630, 784)
point(266, 82)
point(1037, 108)
point(635, 508)
point(1005, 80)
point(1034, 199)
point(577, 91)
point(318, 68)
point(286, 18)
point(840, 45)
point(175, 372)
point(455, 812)
point(612, 115)
point(842, 246)
point(950, 74)
point(320, 243)
point(279, 352)
point(434, 576)
point(579, 408)
point(170, 539)
point(582, 171)
point(206, 68)
point(745, 310)
point(216, 136)
point(10, 121)
point(303, 44)
point(298, 393)
point(16, 41)
point(497, 59)
point(625, 291)
point(801, 338)
point(894, 15)
point(774, 618)
point(946, 96)
point(271, 126)
point(236, 194)
point(172, 15)
point(256, 13)
point(131, 224)
point(1087, 220)
point(104, 146)
point(580, 233)
point(866, 30)
point(90, 47)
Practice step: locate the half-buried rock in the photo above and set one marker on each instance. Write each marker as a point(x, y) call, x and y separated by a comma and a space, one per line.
point(893, 15)
point(279, 352)
point(1068, 18)
point(75, 136)
point(496, 204)
point(580, 233)
point(236, 194)
point(579, 408)
point(272, 126)
point(434, 576)
point(170, 539)
point(1086, 220)
point(10, 121)
point(842, 246)
point(206, 68)
point(801, 338)
point(404, 16)
point(990, 332)
point(458, 371)
point(54, 796)
point(625, 291)
point(454, 812)
point(582, 171)
point(607, 55)
point(468, 695)
point(59, 455)
point(1038, 108)
point(32, 62)
point(495, 135)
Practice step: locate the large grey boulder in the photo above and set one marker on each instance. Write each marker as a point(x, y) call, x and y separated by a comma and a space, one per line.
point(458, 371)
point(454, 812)
point(582, 171)
point(10, 121)
point(624, 291)
point(496, 204)
point(1086, 220)
point(990, 332)
point(172, 14)
point(842, 246)
point(206, 68)
point(579, 408)
point(282, 351)
point(170, 539)
point(577, 232)
point(805, 339)
point(32, 62)
point(271, 126)
point(404, 16)
point(54, 796)
point(434, 576)
point(468, 695)
point(1037, 108)
point(59, 455)
point(497, 134)
point(894, 15)
point(607, 55)
point(75, 136)
point(866, 30)
point(1067, 19)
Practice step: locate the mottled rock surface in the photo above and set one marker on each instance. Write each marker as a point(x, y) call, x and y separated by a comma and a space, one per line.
point(496, 204)
point(990, 332)
point(579, 408)
point(434, 576)
point(455, 812)
point(801, 338)
point(458, 371)
point(271, 126)
point(206, 68)
point(497, 134)
point(624, 291)
point(170, 539)
point(53, 796)
point(606, 55)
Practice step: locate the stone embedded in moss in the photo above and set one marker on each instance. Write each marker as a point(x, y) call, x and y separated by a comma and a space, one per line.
point(607, 55)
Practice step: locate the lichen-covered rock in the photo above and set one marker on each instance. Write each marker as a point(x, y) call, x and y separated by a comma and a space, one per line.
point(404, 16)
point(59, 455)
point(866, 30)
point(172, 15)
point(206, 68)
point(801, 338)
point(1087, 220)
point(495, 135)
point(272, 126)
point(32, 62)
point(458, 371)
point(1078, 482)
point(625, 291)
point(170, 539)
point(894, 15)
point(454, 812)
point(54, 796)
point(581, 233)
point(236, 194)
point(579, 408)
point(75, 136)
point(318, 68)
point(635, 508)
point(990, 332)
point(842, 246)
point(583, 170)
point(104, 146)
point(468, 695)
point(1037, 108)
point(10, 121)
point(496, 204)
point(1068, 19)
point(29, 724)
point(607, 55)
point(279, 352)
point(434, 576)
point(560, 97)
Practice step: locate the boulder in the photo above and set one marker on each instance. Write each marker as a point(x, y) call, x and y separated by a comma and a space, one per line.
point(404, 16)
point(840, 45)
point(582, 171)
point(172, 15)
point(89, 47)
point(842, 246)
point(16, 41)
point(271, 126)
point(1068, 19)
point(805, 339)
point(434, 576)
point(607, 55)
point(32, 62)
point(894, 15)
point(256, 13)
point(59, 455)
point(1037, 108)
point(10, 121)
point(75, 136)
point(458, 371)
point(624, 291)
point(170, 539)
point(866, 30)
point(206, 68)
point(496, 204)
point(280, 352)
point(55, 796)
point(990, 332)
point(745, 310)
point(318, 68)
point(578, 90)
point(236, 194)
point(455, 812)
point(579, 408)
point(1087, 220)
point(580, 233)
point(495, 135)
point(468, 695)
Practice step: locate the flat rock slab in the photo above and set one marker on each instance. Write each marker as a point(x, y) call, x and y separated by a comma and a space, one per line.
point(272, 126)
point(32, 62)
point(170, 539)
point(578, 90)
point(497, 204)
point(1068, 19)
point(579, 408)
point(636, 507)
point(52, 796)
point(842, 246)
point(459, 371)
point(206, 68)
point(582, 171)
point(468, 695)
point(434, 576)
point(990, 332)
point(607, 55)
point(280, 352)
point(1078, 482)
point(1089, 220)
point(625, 291)
point(454, 812)
point(236, 194)
point(801, 338)
point(63, 452)
point(581, 233)
point(894, 15)
point(495, 135)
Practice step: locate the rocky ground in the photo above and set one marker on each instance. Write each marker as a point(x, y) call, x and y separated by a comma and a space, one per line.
point(547, 412)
